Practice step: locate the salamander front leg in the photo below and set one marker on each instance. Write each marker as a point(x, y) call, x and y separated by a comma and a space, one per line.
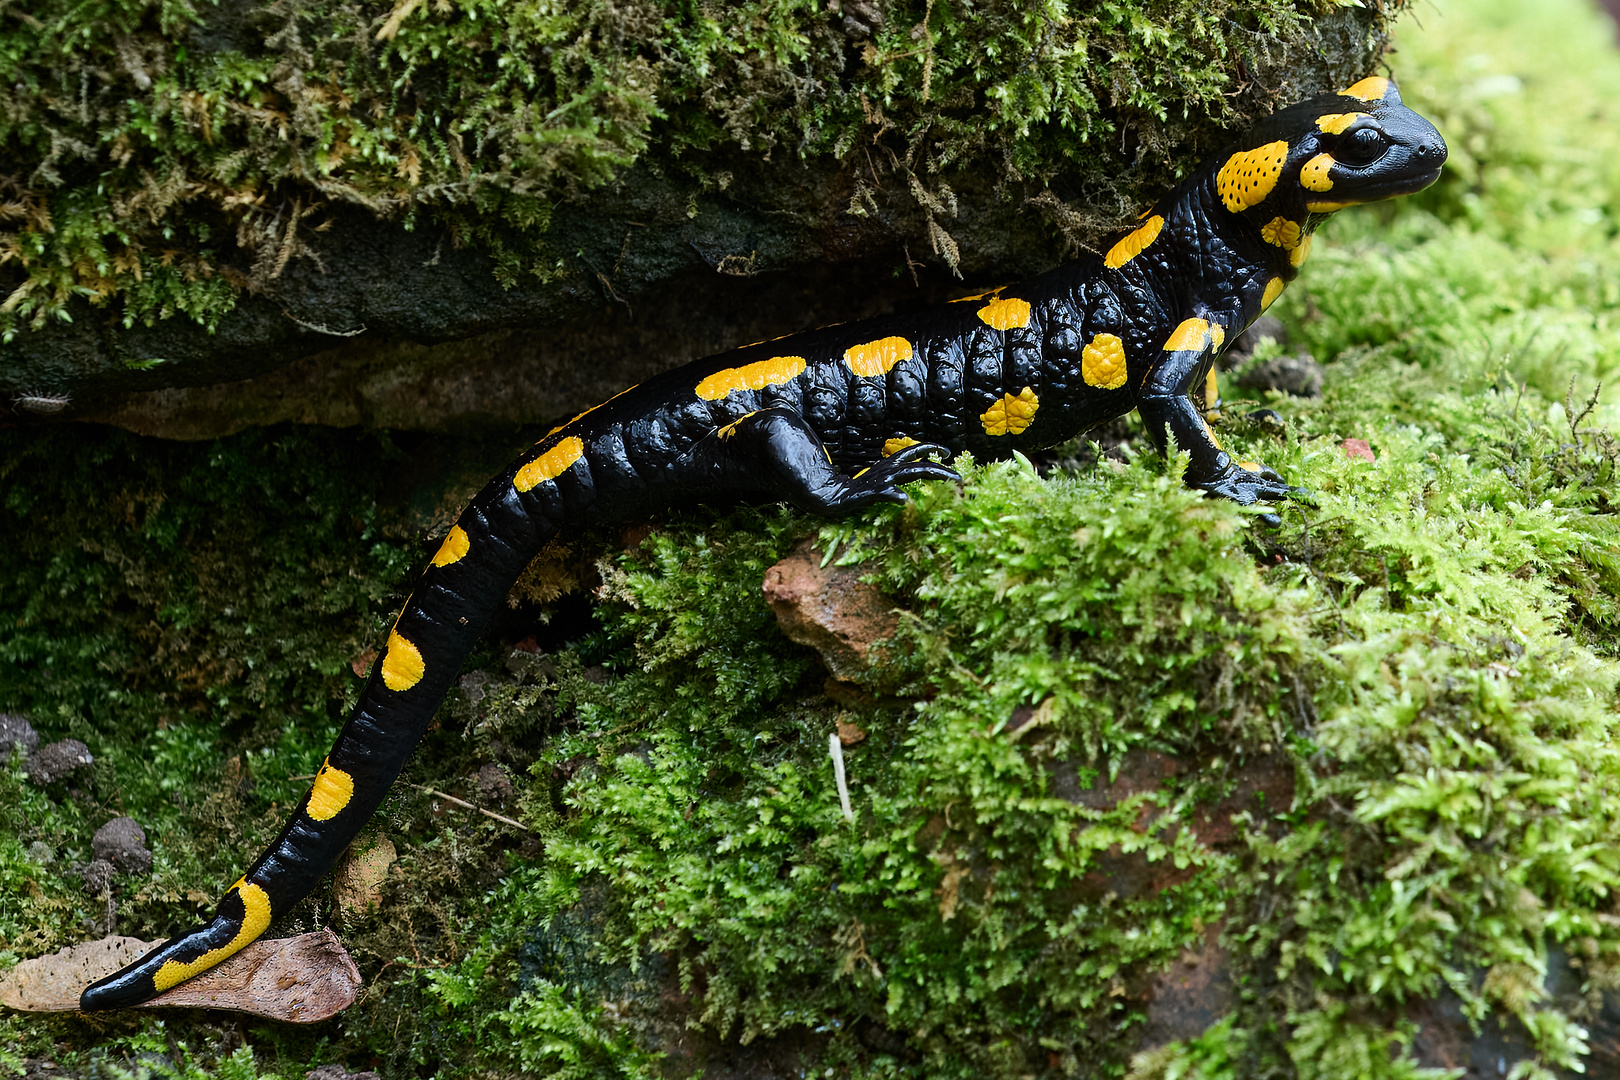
point(775, 450)
point(1166, 404)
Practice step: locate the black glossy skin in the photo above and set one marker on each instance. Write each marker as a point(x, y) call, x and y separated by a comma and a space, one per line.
point(817, 440)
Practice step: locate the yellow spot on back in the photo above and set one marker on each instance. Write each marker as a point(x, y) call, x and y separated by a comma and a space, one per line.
point(1297, 256)
point(1212, 391)
point(1248, 177)
point(877, 357)
point(1005, 314)
point(1274, 289)
point(331, 792)
point(756, 376)
point(894, 446)
point(1372, 88)
point(1194, 335)
point(551, 464)
point(1011, 415)
point(1102, 362)
point(1134, 244)
point(1281, 232)
point(402, 666)
point(255, 922)
point(1313, 176)
point(455, 547)
point(1335, 123)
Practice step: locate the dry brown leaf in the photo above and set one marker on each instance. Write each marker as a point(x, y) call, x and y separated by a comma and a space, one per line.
point(300, 980)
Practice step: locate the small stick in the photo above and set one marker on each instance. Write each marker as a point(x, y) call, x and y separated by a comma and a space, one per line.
point(480, 809)
point(837, 749)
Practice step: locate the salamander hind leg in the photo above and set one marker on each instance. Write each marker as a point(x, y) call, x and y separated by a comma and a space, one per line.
point(775, 450)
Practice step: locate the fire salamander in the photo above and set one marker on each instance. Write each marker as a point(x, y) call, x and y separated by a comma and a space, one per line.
point(837, 419)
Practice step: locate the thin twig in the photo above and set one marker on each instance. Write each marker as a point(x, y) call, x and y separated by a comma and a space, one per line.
point(450, 798)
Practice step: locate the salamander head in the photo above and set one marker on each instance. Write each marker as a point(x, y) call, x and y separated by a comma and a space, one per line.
point(1321, 155)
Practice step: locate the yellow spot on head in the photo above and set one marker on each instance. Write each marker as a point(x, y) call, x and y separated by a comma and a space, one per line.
point(1297, 256)
point(1280, 232)
point(1248, 176)
point(1011, 415)
point(1335, 123)
point(876, 357)
point(1134, 244)
point(894, 446)
point(551, 464)
point(756, 376)
point(1328, 207)
point(331, 792)
point(1274, 289)
point(1313, 176)
point(1005, 314)
point(1102, 362)
point(1195, 335)
point(1372, 88)
point(402, 666)
point(255, 921)
point(455, 547)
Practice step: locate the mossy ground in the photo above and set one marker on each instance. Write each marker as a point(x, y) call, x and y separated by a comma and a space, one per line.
point(1431, 646)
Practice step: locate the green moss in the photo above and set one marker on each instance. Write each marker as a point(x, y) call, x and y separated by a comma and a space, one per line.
point(166, 155)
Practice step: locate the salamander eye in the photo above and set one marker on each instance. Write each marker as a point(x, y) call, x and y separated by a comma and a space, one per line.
point(1362, 147)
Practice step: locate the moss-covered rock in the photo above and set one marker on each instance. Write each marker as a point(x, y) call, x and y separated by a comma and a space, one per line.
point(198, 194)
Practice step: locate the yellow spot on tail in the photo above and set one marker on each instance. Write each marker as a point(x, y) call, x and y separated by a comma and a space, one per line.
point(1211, 433)
point(1335, 123)
point(877, 357)
point(1248, 177)
point(331, 792)
point(1011, 415)
point(1372, 88)
point(1250, 466)
point(1297, 256)
point(1280, 232)
point(402, 666)
point(1314, 175)
point(551, 464)
point(1102, 363)
point(455, 547)
point(756, 376)
point(1134, 244)
point(894, 446)
point(255, 921)
point(1195, 335)
point(1274, 289)
point(1005, 314)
